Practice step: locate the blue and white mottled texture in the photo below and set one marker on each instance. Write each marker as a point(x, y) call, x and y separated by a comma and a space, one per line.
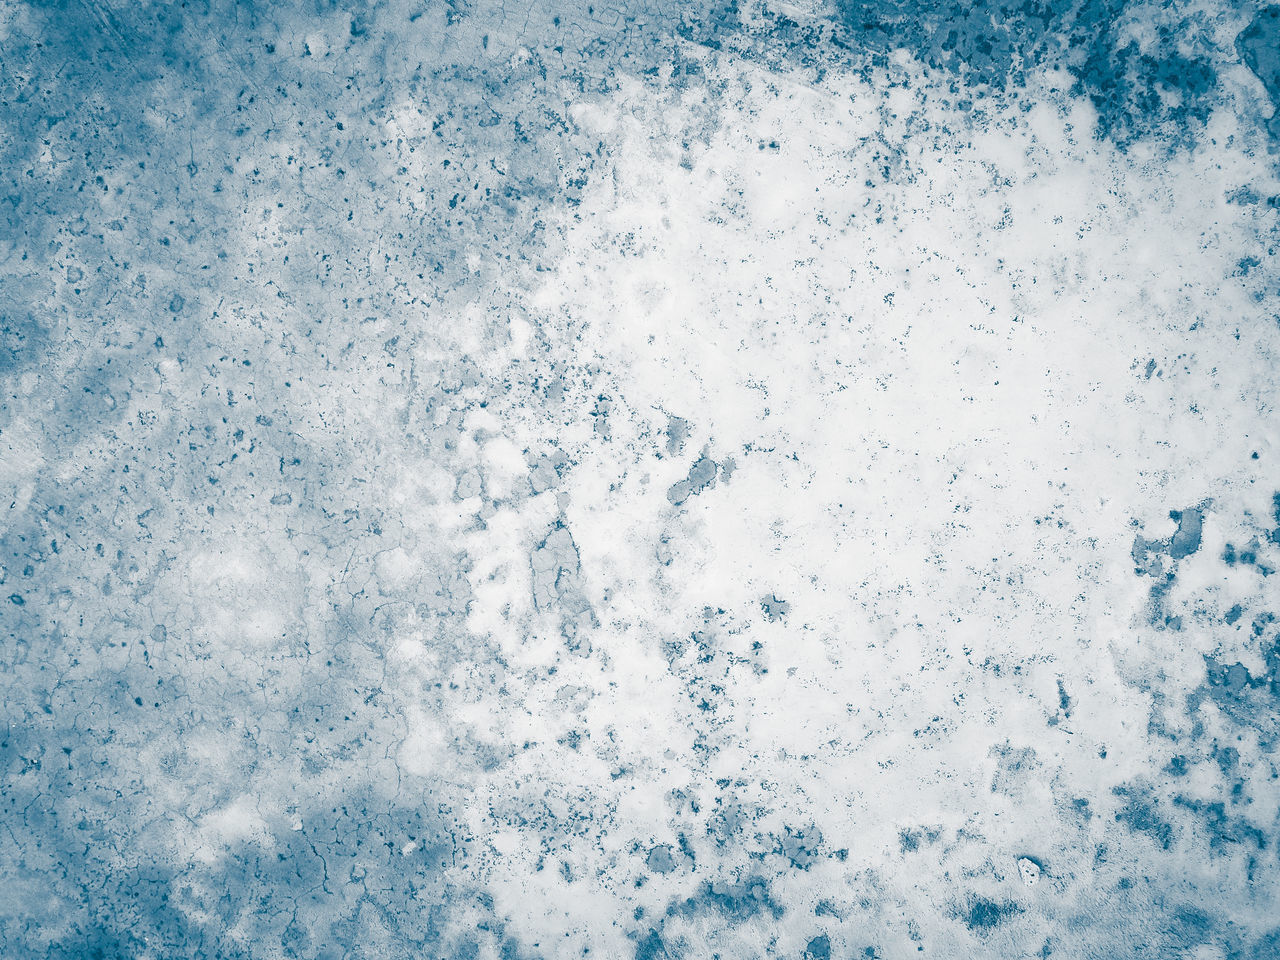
point(657, 480)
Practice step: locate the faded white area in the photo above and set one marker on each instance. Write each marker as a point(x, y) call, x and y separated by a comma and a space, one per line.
point(923, 340)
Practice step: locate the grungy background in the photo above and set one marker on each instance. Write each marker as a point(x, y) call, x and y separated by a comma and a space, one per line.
point(637, 479)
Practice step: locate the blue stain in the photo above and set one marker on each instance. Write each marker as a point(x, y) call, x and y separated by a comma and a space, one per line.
point(701, 477)
point(774, 609)
point(1165, 90)
point(1224, 830)
point(1232, 679)
point(800, 848)
point(909, 841)
point(1190, 927)
point(819, 948)
point(1259, 47)
point(651, 947)
point(985, 915)
point(733, 901)
point(22, 340)
point(1159, 559)
point(1139, 812)
point(1187, 538)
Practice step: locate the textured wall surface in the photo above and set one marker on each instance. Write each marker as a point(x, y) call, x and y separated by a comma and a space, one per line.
point(629, 479)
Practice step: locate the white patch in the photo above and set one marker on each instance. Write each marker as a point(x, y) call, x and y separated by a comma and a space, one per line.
point(1029, 871)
